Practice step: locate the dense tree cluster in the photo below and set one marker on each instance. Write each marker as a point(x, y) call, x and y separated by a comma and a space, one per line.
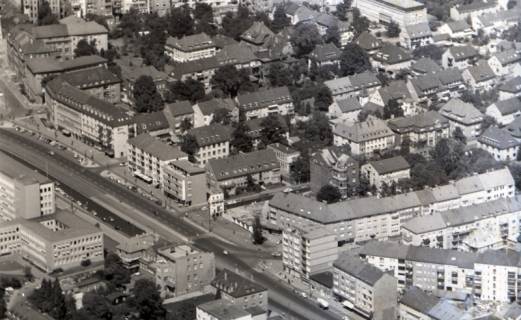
point(146, 96)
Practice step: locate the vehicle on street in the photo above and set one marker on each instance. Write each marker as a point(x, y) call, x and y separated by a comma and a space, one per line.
point(322, 303)
point(225, 252)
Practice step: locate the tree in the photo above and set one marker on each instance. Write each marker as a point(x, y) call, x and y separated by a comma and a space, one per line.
point(458, 135)
point(393, 30)
point(185, 125)
point(405, 147)
point(272, 130)
point(318, 130)
point(3, 305)
point(180, 23)
point(280, 20)
point(45, 15)
point(300, 169)
point(333, 35)
point(241, 141)
point(190, 89)
point(189, 146)
point(487, 122)
point(203, 15)
point(96, 305)
point(305, 38)
point(323, 98)
point(511, 4)
point(235, 25)
point(392, 109)
point(258, 237)
point(279, 74)
point(152, 44)
point(329, 194)
point(354, 60)
point(222, 116)
point(230, 80)
point(147, 300)
point(84, 48)
point(360, 23)
point(342, 8)
point(448, 154)
point(146, 96)
point(115, 273)
point(102, 20)
point(131, 23)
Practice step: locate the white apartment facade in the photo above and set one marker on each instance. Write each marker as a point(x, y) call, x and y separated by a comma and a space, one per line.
point(365, 137)
point(190, 48)
point(404, 13)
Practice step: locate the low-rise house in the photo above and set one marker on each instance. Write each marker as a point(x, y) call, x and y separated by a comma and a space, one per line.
point(425, 66)
point(334, 166)
point(418, 304)
point(458, 29)
point(356, 86)
point(258, 34)
point(510, 88)
point(240, 291)
point(496, 22)
point(424, 130)
point(179, 270)
point(456, 228)
point(262, 103)
point(184, 182)
point(363, 287)
point(213, 142)
point(347, 109)
point(325, 55)
point(365, 137)
point(460, 57)
point(148, 156)
point(368, 42)
point(514, 128)
point(238, 171)
point(153, 123)
point(480, 76)
point(416, 35)
point(473, 9)
point(308, 250)
point(177, 114)
point(394, 90)
point(204, 111)
point(463, 115)
point(444, 83)
point(391, 59)
point(190, 48)
point(505, 111)
point(286, 156)
point(387, 171)
point(506, 63)
point(499, 143)
point(92, 120)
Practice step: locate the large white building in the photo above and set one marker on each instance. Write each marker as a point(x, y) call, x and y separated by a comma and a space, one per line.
point(23, 193)
point(263, 103)
point(403, 12)
point(190, 48)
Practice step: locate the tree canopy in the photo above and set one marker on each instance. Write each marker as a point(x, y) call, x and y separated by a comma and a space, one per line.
point(231, 81)
point(146, 96)
point(393, 30)
point(329, 194)
point(323, 98)
point(354, 60)
point(45, 15)
point(147, 300)
point(305, 38)
point(84, 48)
point(180, 22)
point(241, 141)
point(190, 89)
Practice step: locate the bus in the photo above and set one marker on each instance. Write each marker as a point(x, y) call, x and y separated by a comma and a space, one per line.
point(143, 177)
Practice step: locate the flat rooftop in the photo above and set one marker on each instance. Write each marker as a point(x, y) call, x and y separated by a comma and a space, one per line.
point(17, 171)
point(175, 252)
point(407, 5)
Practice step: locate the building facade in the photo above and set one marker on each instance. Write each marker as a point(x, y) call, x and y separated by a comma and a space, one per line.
point(185, 182)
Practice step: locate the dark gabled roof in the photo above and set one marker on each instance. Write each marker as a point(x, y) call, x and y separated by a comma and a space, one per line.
point(93, 77)
point(265, 97)
point(419, 30)
point(515, 127)
point(392, 54)
point(368, 42)
point(180, 108)
point(481, 71)
point(475, 5)
point(508, 106)
point(390, 165)
point(243, 164)
point(419, 300)
point(212, 134)
point(151, 121)
point(189, 43)
point(498, 138)
point(505, 257)
point(461, 53)
point(458, 26)
point(257, 34)
point(513, 85)
point(210, 106)
point(361, 270)
point(236, 285)
point(52, 65)
point(425, 65)
point(349, 105)
point(326, 52)
point(421, 122)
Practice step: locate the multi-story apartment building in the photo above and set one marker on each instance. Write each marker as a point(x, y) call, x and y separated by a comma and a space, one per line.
point(308, 250)
point(475, 228)
point(363, 287)
point(497, 276)
point(88, 118)
point(379, 218)
point(185, 182)
point(424, 130)
point(98, 81)
point(178, 270)
point(220, 7)
point(286, 156)
point(147, 157)
point(334, 166)
point(213, 142)
point(233, 172)
point(460, 57)
point(190, 48)
point(30, 8)
point(240, 291)
point(463, 115)
point(387, 171)
point(499, 143)
point(39, 70)
point(365, 137)
point(416, 304)
point(178, 113)
point(386, 11)
point(51, 242)
point(82, 8)
point(506, 110)
point(204, 111)
point(265, 102)
point(24, 193)
point(359, 86)
point(124, 6)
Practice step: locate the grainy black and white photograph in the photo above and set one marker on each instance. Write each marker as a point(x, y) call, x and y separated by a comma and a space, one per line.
point(260, 160)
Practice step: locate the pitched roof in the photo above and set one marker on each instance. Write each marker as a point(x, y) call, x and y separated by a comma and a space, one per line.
point(243, 164)
point(194, 42)
point(263, 98)
point(326, 52)
point(180, 108)
point(258, 33)
point(425, 65)
point(132, 73)
point(508, 106)
point(361, 270)
point(498, 138)
point(157, 148)
point(396, 89)
point(458, 26)
point(210, 106)
point(93, 77)
point(392, 54)
point(52, 65)
point(390, 165)
point(69, 28)
point(370, 129)
point(352, 83)
point(460, 53)
point(236, 285)
point(475, 6)
point(223, 310)
point(514, 127)
point(151, 121)
point(368, 42)
point(212, 134)
point(419, 300)
point(421, 122)
point(513, 85)
point(418, 30)
point(348, 104)
point(460, 111)
point(507, 57)
point(481, 71)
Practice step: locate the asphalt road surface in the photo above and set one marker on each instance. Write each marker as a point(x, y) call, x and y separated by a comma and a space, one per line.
point(167, 225)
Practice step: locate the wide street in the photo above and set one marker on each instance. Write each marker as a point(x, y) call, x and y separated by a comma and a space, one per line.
point(170, 226)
